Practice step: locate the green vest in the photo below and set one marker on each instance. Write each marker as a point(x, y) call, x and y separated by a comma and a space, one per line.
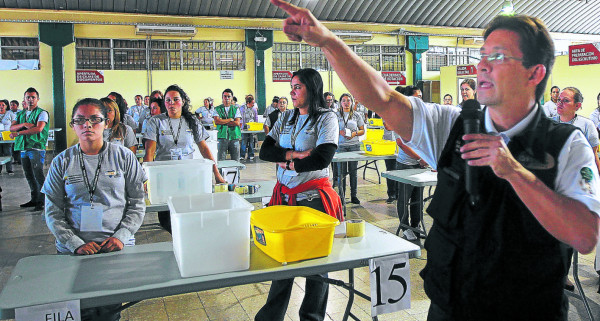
point(224, 131)
point(36, 141)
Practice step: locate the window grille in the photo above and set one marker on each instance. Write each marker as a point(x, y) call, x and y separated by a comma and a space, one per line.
point(18, 48)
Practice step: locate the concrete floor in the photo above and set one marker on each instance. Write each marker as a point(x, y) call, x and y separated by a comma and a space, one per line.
point(24, 233)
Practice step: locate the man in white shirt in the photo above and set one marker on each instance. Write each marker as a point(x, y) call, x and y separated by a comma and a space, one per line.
point(539, 180)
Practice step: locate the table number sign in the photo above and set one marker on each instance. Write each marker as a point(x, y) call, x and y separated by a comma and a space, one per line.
point(60, 311)
point(390, 284)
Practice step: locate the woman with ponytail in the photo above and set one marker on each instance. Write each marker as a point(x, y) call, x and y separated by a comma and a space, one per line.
point(115, 131)
point(174, 135)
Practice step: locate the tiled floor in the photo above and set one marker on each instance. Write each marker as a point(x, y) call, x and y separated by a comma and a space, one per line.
point(24, 233)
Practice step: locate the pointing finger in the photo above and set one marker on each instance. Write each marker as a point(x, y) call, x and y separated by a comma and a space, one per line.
point(286, 6)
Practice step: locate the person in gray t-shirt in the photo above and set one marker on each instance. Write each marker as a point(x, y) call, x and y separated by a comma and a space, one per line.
point(94, 193)
point(116, 132)
point(174, 135)
point(306, 138)
point(351, 126)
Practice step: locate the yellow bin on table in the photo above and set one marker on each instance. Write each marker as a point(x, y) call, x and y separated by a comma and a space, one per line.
point(292, 233)
point(379, 147)
point(6, 135)
point(378, 122)
point(254, 126)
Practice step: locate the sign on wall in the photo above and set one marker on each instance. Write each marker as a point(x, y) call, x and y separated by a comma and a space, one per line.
point(585, 54)
point(282, 76)
point(394, 77)
point(226, 74)
point(89, 76)
point(466, 70)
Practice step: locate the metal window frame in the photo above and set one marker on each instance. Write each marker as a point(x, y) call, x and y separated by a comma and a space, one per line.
point(23, 47)
point(239, 53)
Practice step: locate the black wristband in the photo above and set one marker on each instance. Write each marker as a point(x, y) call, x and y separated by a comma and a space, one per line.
point(287, 165)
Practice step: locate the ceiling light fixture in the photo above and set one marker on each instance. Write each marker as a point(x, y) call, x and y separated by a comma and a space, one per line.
point(508, 9)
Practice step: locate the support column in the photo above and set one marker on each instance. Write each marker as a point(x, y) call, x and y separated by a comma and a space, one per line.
point(58, 35)
point(417, 45)
point(259, 41)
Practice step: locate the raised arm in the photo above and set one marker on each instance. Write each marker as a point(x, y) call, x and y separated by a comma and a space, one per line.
point(370, 87)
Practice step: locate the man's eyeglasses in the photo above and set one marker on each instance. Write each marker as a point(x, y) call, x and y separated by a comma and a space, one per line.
point(93, 120)
point(498, 58)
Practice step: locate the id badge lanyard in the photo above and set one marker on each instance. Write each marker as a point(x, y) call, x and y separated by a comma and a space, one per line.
point(91, 188)
point(295, 133)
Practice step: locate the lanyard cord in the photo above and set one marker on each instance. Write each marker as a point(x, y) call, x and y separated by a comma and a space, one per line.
point(175, 138)
point(91, 188)
point(295, 134)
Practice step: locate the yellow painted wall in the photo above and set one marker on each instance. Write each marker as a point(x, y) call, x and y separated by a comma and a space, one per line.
point(448, 84)
point(584, 78)
point(13, 83)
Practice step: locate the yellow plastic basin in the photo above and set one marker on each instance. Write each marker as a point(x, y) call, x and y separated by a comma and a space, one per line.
point(6, 135)
point(379, 147)
point(292, 233)
point(254, 126)
point(376, 122)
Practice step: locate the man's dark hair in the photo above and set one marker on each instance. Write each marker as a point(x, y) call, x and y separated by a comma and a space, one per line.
point(446, 95)
point(227, 91)
point(327, 93)
point(551, 89)
point(275, 99)
point(14, 102)
point(534, 42)
point(32, 90)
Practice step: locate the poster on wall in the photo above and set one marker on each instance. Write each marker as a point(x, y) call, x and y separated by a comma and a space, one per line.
point(585, 54)
point(89, 76)
point(226, 74)
point(394, 77)
point(466, 70)
point(282, 76)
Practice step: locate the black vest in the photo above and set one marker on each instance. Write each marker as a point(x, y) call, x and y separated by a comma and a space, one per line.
point(496, 261)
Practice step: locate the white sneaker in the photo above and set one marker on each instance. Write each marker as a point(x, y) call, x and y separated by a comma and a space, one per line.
point(410, 235)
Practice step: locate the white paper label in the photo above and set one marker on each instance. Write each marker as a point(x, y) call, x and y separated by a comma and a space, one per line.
point(390, 284)
point(91, 218)
point(60, 311)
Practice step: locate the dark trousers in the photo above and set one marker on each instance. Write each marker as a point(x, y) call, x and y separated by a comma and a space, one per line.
point(348, 168)
point(6, 150)
point(411, 194)
point(247, 145)
point(316, 292)
point(392, 186)
point(33, 167)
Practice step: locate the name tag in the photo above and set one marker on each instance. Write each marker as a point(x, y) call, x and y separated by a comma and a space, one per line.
point(91, 218)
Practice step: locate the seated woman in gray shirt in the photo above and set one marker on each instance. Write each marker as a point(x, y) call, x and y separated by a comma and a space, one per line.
point(174, 135)
point(115, 131)
point(94, 192)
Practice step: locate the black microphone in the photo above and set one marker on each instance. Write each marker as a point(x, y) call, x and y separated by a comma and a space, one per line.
point(471, 113)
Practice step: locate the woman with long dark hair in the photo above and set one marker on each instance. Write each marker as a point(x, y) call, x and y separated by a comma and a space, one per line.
point(115, 131)
point(302, 143)
point(125, 118)
point(174, 135)
point(468, 90)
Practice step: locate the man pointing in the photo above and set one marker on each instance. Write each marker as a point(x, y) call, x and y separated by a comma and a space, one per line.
point(503, 259)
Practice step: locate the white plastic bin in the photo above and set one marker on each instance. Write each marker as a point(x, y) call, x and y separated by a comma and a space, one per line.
point(211, 233)
point(178, 177)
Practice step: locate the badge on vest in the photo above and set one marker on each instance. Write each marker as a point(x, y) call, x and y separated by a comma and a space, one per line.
point(531, 163)
point(586, 179)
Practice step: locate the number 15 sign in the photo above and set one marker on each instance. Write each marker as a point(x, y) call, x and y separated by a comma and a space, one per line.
point(390, 284)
